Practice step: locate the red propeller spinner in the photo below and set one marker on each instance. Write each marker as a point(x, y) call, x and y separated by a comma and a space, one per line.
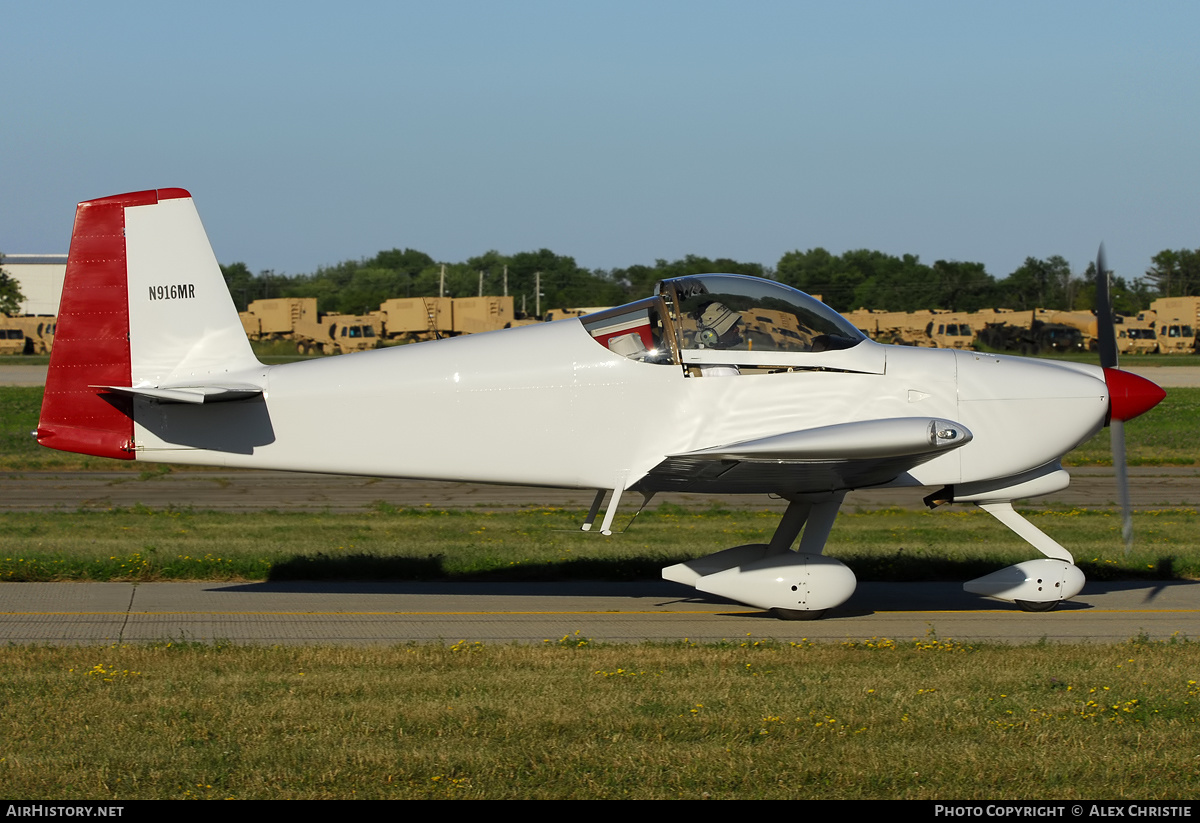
point(1130, 395)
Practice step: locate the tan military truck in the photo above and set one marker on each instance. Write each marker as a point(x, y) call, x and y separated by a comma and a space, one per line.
point(561, 314)
point(297, 318)
point(37, 332)
point(866, 321)
point(424, 318)
point(337, 334)
point(408, 319)
point(981, 318)
point(276, 318)
point(251, 325)
point(1084, 321)
point(1133, 336)
point(479, 314)
point(1176, 320)
point(1136, 336)
point(903, 328)
point(1174, 335)
point(950, 330)
point(899, 328)
point(12, 338)
point(1024, 333)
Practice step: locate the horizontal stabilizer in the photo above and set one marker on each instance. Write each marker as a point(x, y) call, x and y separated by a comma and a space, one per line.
point(188, 394)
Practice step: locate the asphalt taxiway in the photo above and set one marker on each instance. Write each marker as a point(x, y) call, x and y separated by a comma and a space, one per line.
point(363, 614)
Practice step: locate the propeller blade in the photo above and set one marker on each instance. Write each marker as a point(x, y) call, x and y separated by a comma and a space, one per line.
point(1118, 447)
point(1129, 395)
point(1106, 336)
point(1106, 333)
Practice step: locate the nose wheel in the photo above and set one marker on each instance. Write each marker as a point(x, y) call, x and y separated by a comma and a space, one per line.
point(1033, 606)
point(797, 614)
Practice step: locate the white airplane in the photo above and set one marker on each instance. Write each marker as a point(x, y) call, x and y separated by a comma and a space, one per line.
point(718, 384)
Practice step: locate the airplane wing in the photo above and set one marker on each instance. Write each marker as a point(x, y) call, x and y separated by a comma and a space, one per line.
point(827, 458)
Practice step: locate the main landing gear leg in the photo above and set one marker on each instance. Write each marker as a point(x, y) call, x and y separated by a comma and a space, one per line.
point(794, 585)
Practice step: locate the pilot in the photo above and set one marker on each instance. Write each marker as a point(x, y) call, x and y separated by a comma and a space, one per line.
point(719, 327)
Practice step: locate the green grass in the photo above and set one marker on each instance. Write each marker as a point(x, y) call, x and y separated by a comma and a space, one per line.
point(278, 351)
point(908, 719)
point(544, 544)
point(1168, 435)
point(20, 407)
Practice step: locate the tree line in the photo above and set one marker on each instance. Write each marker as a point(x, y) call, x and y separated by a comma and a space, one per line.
point(855, 279)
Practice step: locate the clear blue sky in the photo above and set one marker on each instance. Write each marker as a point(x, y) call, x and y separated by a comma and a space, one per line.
point(615, 132)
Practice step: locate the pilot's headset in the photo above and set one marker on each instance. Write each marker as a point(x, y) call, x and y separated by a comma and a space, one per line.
point(715, 322)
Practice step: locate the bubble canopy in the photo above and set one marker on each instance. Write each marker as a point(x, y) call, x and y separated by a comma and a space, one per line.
point(732, 312)
point(733, 321)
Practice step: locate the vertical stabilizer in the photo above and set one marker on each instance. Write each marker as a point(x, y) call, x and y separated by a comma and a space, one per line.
point(144, 304)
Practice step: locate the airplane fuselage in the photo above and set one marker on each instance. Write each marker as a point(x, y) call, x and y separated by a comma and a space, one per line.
point(547, 405)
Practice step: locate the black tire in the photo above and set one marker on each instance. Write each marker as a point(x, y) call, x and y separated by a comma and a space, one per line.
point(797, 614)
point(1034, 606)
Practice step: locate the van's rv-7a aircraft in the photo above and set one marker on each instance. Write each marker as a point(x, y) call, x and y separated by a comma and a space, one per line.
point(719, 383)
